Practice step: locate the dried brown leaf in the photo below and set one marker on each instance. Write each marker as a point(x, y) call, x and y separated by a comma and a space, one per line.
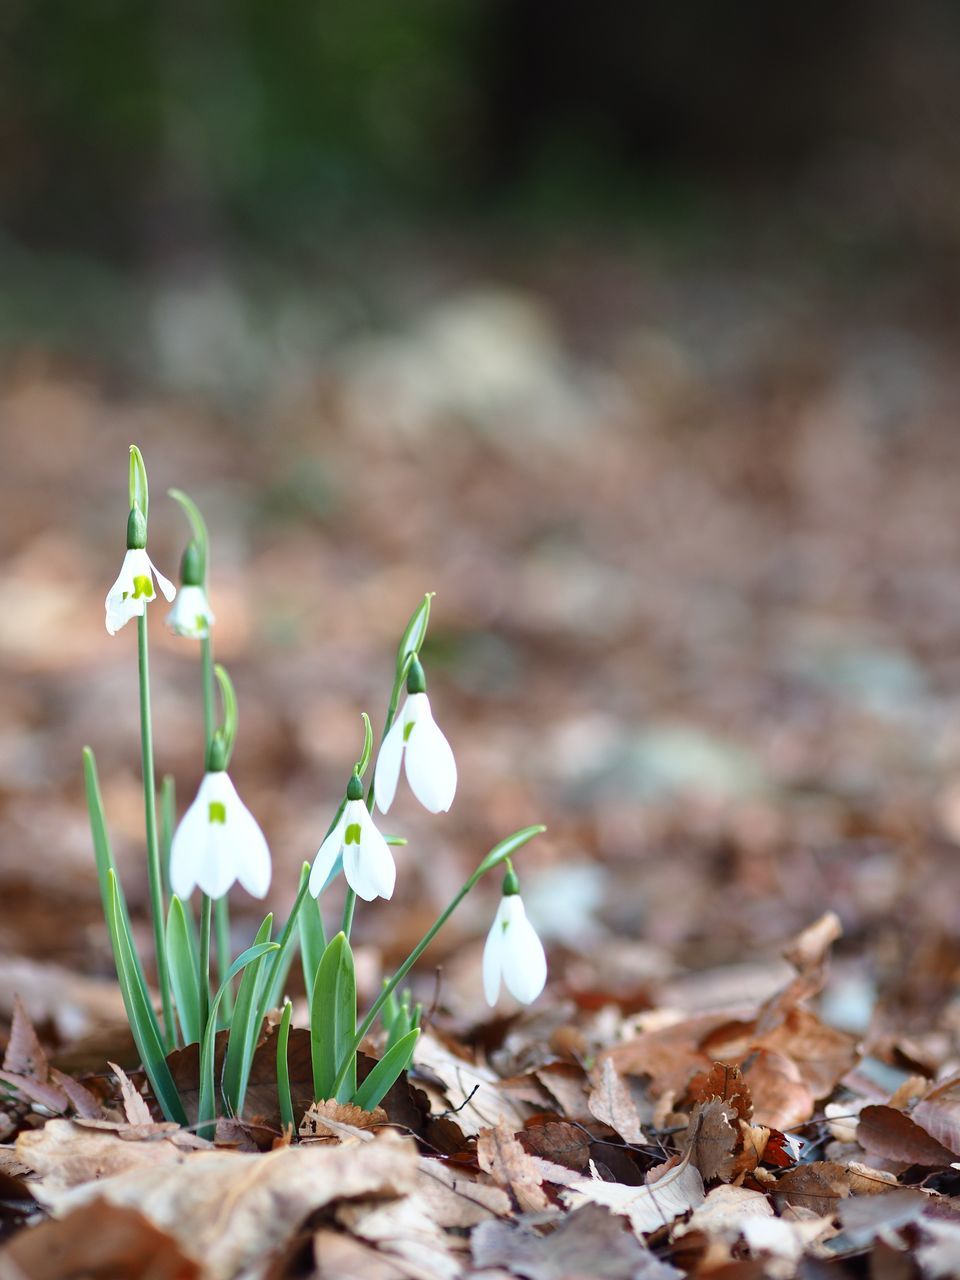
point(99, 1240)
point(612, 1103)
point(678, 1188)
point(820, 1186)
point(864, 1217)
point(25, 1055)
point(725, 1081)
point(134, 1104)
point(456, 1200)
point(781, 1098)
point(48, 1095)
point(330, 1121)
point(500, 1154)
point(590, 1244)
point(893, 1135)
point(472, 1089)
point(939, 1114)
point(66, 1153)
point(404, 1231)
point(558, 1142)
point(81, 1099)
point(711, 1139)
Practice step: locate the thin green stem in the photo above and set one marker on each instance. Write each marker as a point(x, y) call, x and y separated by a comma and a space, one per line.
point(205, 903)
point(285, 935)
point(221, 910)
point(349, 903)
point(154, 872)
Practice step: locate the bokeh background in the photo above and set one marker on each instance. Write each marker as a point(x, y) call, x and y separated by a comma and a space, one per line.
point(631, 331)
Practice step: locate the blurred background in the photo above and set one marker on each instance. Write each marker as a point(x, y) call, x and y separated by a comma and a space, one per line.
point(631, 331)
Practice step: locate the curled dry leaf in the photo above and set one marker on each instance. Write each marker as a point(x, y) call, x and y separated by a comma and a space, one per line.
point(711, 1139)
point(24, 1054)
point(893, 1135)
point(819, 1187)
point(589, 1242)
point(558, 1142)
point(781, 1098)
point(500, 1154)
point(611, 1102)
point(134, 1104)
point(939, 1114)
point(471, 1089)
point(456, 1200)
point(725, 1081)
point(329, 1121)
point(405, 1232)
point(678, 1188)
point(67, 1154)
point(232, 1210)
point(81, 1099)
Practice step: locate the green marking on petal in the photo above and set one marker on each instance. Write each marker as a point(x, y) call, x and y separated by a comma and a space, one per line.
point(218, 811)
point(408, 729)
point(505, 925)
point(142, 586)
point(353, 834)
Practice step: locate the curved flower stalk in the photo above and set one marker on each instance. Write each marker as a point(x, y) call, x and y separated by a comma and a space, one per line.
point(218, 842)
point(416, 741)
point(513, 953)
point(367, 861)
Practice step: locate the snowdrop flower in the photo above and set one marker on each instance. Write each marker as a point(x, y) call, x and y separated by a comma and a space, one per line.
point(219, 841)
point(191, 615)
point(416, 740)
point(513, 951)
point(133, 590)
point(367, 861)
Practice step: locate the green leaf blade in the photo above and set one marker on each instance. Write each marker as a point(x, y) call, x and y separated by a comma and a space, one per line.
point(184, 973)
point(244, 1026)
point(333, 1022)
point(387, 1071)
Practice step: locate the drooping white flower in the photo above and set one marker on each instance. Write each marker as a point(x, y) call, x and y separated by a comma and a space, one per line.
point(217, 842)
point(191, 614)
point(416, 740)
point(367, 861)
point(514, 953)
point(134, 589)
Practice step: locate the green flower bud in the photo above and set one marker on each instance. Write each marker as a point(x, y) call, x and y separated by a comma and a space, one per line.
point(354, 788)
point(217, 754)
point(136, 530)
point(416, 680)
point(511, 884)
point(191, 566)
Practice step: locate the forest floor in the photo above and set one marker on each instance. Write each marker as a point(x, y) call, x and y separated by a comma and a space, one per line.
point(695, 540)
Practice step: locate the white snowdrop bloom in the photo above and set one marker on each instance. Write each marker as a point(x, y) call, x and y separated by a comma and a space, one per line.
point(416, 740)
point(367, 861)
point(191, 614)
point(514, 953)
point(217, 842)
point(134, 589)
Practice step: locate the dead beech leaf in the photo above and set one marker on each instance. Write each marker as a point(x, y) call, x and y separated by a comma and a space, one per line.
point(558, 1142)
point(821, 1186)
point(863, 1218)
point(329, 1120)
point(822, 1054)
point(81, 1099)
point(939, 1114)
point(893, 1135)
point(678, 1188)
point(808, 954)
point(99, 1240)
point(781, 1098)
point(724, 1081)
point(404, 1231)
point(612, 1103)
point(500, 1154)
point(472, 1089)
point(589, 1243)
point(48, 1095)
point(724, 1210)
point(134, 1104)
point(24, 1055)
point(457, 1200)
point(233, 1210)
point(68, 1153)
point(711, 1139)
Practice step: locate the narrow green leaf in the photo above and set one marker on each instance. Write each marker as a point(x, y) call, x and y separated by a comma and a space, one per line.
point(168, 822)
point(230, 715)
point(184, 973)
point(312, 940)
point(367, 751)
point(283, 1068)
point(244, 1028)
point(505, 848)
point(197, 524)
point(138, 490)
point(140, 1014)
point(206, 1109)
point(333, 1021)
point(103, 855)
point(414, 634)
point(388, 1070)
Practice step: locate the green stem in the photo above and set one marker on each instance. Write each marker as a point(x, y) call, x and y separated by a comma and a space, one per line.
point(204, 959)
point(285, 935)
point(349, 903)
point(221, 907)
point(154, 872)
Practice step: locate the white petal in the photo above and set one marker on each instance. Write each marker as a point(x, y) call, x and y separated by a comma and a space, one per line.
point(387, 773)
point(431, 768)
point(327, 856)
point(215, 871)
point(188, 850)
point(191, 614)
point(165, 585)
point(493, 958)
point(251, 854)
point(119, 609)
point(524, 960)
point(369, 867)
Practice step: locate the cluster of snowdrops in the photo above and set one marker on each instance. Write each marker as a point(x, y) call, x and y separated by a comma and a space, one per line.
point(218, 843)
